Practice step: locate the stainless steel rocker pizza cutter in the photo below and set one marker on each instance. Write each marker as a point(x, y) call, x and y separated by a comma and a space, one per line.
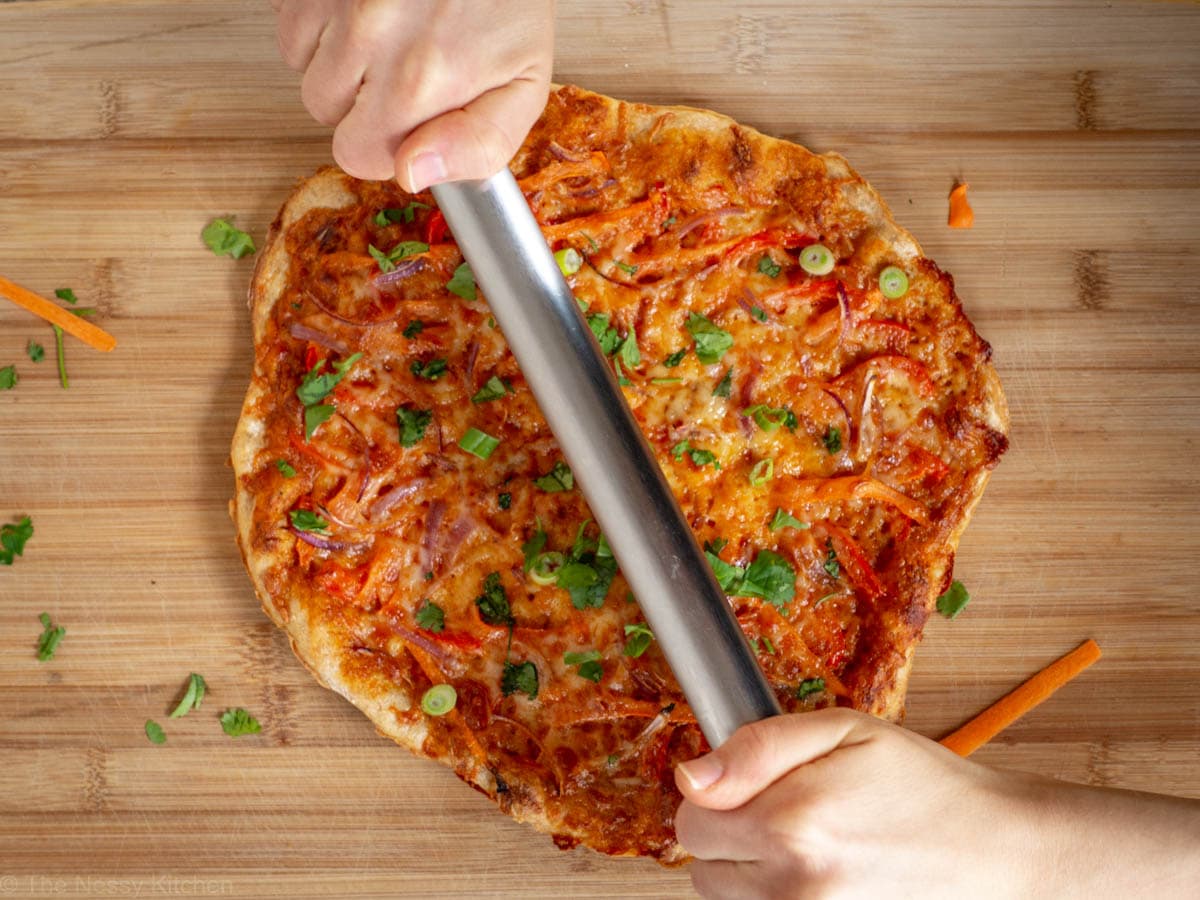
point(610, 458)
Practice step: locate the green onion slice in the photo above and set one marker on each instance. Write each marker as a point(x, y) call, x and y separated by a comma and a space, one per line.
point(544, 570)
point(569, 261)
point(893, 282)
point(763, 471)
point(478, 443)
point(439, 699)
point(816, 259)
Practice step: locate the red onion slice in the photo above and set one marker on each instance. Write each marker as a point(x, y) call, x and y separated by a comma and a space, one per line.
point(699, 221)
point(302, 332)
point(383, 505)
point(402, 271)
point(322, 543)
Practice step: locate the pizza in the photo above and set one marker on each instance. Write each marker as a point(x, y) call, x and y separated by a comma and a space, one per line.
point(821, 406)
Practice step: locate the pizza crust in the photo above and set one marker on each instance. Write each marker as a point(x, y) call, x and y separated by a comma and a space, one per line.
point(373, 689)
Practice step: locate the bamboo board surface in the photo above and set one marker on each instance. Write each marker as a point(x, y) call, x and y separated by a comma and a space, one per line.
point(129, 124)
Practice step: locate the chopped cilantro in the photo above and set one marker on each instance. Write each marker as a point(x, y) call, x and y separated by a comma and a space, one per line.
point(758, 313)
point(769, 267)
point(413, 423)
point(316, 385)
point(557, 479)
point(729, 576)
point(237, 722)
point(222, 238)
point(191, 697)
point(637, 638)
point(155, 733)
point(588, 662)
point(951, 603)
point(607, 336)
point(700, 457)
point(716, 545)
point(504, 501)
point(769, 418)
point(493, 389)
point(675, 358)
point(387, 216)
point(493, 602)
point(831, 564)
point(307, 520)
point(711, 341)
point(403, 250)
point(314, 417)
point(430, 370)
point(285, 468)
point(462, 283)
point(808, 687)
point(413, 328)
point(13, 538)
point(431, 617)
point(785, 520)
point(51, 635)
point(534, 546)
point(771, 577)
point(725, 385)
point(36, 351)
point(521, 677)
point(628, 351)
point(587, 584)
point(9, 378)
point(66, 294)
point(833, 440)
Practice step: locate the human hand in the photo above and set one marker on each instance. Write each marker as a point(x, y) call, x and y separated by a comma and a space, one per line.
point(426, 90)
point(835, 803)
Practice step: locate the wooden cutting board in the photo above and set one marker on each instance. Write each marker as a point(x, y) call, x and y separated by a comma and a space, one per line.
point(127, 125)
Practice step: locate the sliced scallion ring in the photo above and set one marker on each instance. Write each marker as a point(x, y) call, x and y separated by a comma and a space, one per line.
point(439, 699)
point(816, 259)
point(893, 282)
point(545, 568)
point(763, 471)
point(478, 443)
point(569, 260)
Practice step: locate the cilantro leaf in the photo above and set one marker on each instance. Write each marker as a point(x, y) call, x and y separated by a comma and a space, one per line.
point(771, 577)
point(285, 468)
point(521, 677)
point(430, 370)
point(413, 423)
point(592, 671)
point(785, 520)
point(387, 261)
point(587, 583)
point(222, 238)
point(557, 479)
point(431, 617)
point(729, 576)
point(504, 501)
point(315, 417)
point(191, 697)
point(808, 687)
point(700, 457)
point(51, 635)
point(493, 389)
point(9, 378)
point(307, 520)
point(413, 328)
point(493, 602)
point(769, 267)
point(532, 547)
point(317, 385)
point(66, 294)
point(954, 601)
point(833, 440)
point(637, 638)
point(36, 351)
point(13, 538)
point(758, 313)
point(462, 283)
point(675, 358)
point(831, 564)
point(155, 733)
point(237, 722)
point(406, 214)
point(607, 336)
point(725, 385)
point(588, 662)
point(628, 352)
point(711, 341)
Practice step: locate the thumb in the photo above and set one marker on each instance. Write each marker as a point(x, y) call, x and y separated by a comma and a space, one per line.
point(759, 754)
point(476, 141)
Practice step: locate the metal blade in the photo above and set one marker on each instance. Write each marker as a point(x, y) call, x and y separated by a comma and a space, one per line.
point(612, 463)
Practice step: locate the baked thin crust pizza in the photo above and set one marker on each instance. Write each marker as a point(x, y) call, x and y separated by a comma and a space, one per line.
point(822, 408)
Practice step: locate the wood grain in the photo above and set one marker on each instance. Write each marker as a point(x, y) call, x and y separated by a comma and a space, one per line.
point(130, 124)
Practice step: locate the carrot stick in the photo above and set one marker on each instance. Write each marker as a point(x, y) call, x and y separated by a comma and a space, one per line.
point(989, 723)
point(961, 214)
point(94, 337)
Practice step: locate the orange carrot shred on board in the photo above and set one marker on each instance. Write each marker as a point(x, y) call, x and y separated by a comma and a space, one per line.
point(72, 324)
point(989, 723)
point(961, 214)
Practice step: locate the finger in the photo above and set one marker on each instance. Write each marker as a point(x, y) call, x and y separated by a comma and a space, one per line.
point(299, 30)
point(722, 880)
point(710, 834)
point(761, 753)
point(473, 142)
point(333, 76)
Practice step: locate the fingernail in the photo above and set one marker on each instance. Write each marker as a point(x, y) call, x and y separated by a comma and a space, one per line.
point(425, 169)
point(703, 772)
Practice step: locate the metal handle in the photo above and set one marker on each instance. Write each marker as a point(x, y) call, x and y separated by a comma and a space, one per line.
point(613, 465)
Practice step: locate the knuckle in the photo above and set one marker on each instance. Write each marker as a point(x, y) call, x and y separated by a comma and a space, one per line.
point(360, 157)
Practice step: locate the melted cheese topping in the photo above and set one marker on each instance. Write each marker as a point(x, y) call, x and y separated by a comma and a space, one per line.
point(879, 456)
